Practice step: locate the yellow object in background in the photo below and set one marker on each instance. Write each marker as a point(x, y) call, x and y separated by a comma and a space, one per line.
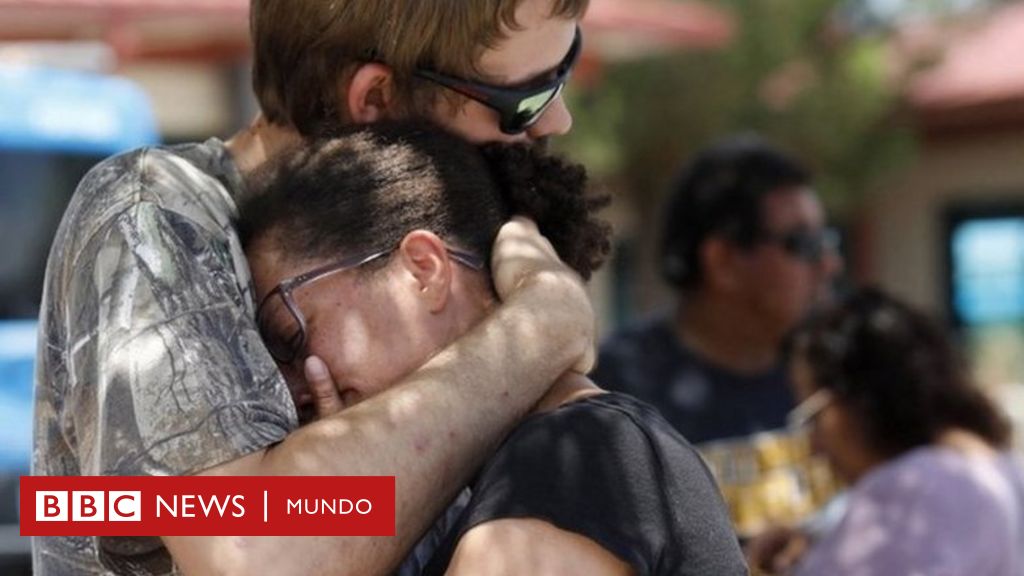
point(769, 478)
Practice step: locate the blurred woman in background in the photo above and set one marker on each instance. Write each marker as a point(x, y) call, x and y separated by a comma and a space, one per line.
point(934, 490)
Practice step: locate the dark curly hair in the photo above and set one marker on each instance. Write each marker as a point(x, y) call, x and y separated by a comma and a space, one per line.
point(364, 188)
point(898, 372)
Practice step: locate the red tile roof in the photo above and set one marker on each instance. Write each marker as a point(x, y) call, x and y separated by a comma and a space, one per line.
point(980, 64)
point(687, 23)
point(620, 26)
point(136, 6)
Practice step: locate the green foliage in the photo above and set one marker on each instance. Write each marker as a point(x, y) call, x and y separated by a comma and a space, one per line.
point(791, 73)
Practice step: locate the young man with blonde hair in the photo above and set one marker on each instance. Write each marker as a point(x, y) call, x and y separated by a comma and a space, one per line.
point(150, 361)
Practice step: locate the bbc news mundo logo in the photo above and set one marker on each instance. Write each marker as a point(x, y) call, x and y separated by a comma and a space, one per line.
point(207, 506)
point(88, 506)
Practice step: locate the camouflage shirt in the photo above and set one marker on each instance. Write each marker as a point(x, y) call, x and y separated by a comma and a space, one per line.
point(149, 360)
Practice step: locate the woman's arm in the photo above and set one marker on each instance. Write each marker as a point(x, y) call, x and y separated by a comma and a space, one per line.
point(526, 546)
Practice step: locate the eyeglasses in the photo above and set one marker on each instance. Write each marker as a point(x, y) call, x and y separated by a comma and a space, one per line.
point(806, 411)
point(518, 107)
point(811, 246)
point(282, 324)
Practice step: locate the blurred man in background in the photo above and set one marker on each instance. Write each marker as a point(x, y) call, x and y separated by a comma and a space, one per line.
point(745, 244)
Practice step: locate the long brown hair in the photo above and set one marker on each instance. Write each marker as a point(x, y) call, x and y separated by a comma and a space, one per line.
point(898, 372)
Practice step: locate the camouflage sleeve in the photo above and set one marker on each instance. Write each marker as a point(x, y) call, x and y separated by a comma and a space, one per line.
point(170, 376)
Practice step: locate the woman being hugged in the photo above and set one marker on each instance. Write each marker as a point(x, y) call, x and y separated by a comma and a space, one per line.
point(370, 249)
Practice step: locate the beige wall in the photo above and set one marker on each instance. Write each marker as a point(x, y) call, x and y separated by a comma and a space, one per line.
point(190, 99)
point(905, 240)
point(905, 221)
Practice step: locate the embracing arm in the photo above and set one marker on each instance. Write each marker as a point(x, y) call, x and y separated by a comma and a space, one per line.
point(490, 377)
point(526, 546)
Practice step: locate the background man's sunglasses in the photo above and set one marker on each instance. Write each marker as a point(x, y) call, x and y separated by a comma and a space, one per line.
point(519, 107)
point(807, 245)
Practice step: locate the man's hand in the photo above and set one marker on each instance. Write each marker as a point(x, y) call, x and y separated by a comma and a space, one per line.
point(521, 253)
point(523, 259)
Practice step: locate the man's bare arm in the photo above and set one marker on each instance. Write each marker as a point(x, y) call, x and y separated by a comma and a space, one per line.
point(432, 430)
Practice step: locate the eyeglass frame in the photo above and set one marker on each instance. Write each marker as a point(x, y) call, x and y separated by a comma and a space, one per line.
point(287, 287)
point(797, 243)
point(506, 101)
point(810, 408)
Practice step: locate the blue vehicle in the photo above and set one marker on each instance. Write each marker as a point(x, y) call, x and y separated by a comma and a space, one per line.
point(54, 126)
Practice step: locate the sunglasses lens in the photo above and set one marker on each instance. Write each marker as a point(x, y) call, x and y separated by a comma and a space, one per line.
point(807, 411)
point(535, 105)
point(280, 329)
point(804, 246)
point(530, 109)
point(811, 246)
point(830, 240)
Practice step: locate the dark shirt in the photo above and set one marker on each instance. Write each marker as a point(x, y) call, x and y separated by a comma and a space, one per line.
point(766, 472)
point(611, 469)
point(702, 400)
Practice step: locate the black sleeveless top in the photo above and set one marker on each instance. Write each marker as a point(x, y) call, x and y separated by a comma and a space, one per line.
point(610, 468)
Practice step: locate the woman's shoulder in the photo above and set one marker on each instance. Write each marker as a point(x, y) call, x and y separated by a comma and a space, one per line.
point(937, 477)
point(607, 412)
point(609, 434)
point(605, 466)
point(930, 511)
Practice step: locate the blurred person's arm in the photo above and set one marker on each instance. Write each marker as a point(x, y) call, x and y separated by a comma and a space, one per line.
point(776, 550)
point(779, 548)
point(489, 378)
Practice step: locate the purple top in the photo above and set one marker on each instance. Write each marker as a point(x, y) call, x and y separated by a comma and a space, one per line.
point(931, 512)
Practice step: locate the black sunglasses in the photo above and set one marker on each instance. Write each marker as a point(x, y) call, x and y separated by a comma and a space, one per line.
point(518, 107)
point(807, 245)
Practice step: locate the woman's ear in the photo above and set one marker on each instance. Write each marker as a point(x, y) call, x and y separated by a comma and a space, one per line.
point(425, 257)
point(369, 93)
